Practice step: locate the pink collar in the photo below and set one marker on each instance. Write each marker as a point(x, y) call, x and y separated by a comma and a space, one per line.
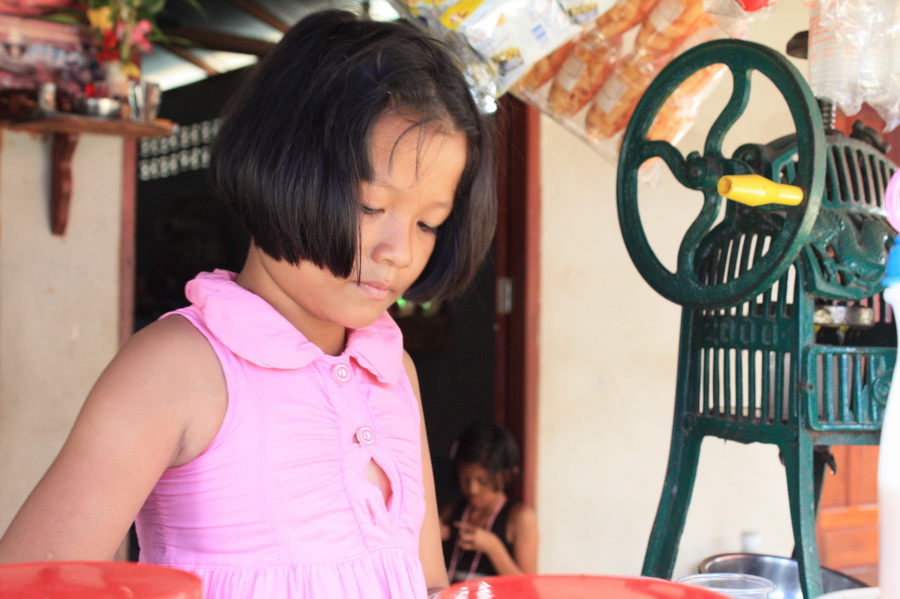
point(251, 328)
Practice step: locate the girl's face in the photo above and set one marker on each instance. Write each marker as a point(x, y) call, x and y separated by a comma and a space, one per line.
point(478, 485)
point(416, 172)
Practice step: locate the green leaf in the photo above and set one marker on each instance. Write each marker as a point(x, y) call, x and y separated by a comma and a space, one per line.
point(69, 16)
point(198, 7)
point(154, 6)
point(173, 39)
point(61, 18)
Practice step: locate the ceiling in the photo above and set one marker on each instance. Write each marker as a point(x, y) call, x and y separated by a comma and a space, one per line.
point(231, 34)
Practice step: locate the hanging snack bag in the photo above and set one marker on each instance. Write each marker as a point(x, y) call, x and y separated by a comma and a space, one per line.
point(580, 67)
point(511, 35)
point(583, 12)
point(582, 73)
point(544, 69)
point(426, 11)
point(738, 8)
point(669, 24)
point(617, 98)
point(624, 15)
point(681, 108)
point(613, 105)
point(678, 114)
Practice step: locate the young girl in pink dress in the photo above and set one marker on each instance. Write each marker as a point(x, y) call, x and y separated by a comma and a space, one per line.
point(269, 436)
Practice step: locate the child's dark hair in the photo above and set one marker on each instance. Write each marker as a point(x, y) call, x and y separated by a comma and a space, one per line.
point(293, 146)
point(491, 447)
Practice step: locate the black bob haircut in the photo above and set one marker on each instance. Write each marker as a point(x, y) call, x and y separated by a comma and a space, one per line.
point(293, 146)
point(490, 446)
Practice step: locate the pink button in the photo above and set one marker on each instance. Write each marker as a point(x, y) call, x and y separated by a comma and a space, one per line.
point(341, 373)
point(365, 435)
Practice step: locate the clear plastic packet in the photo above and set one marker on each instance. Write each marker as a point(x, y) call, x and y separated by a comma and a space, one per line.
point(510, 35)
point(582, 12)
point(737, 8)
point(615, 101)
point(680, 110)
point(886, 99)
point(479, 74)
point(850, 52)
point(427, 12)
point(589, 79)
point(624, 15)
point(578, 69)
point(544, 69)
point(620, 16)
point(582, 73)
point(674, 119)
point(671, 27)
point(670, 24)
point(890, 111)
point(611, 109)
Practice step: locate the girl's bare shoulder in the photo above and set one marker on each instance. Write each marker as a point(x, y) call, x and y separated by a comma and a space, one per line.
point(169, 365)
point(522, 514)
point(172, 348)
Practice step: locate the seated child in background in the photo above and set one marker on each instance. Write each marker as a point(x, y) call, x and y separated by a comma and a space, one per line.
point(484, 533)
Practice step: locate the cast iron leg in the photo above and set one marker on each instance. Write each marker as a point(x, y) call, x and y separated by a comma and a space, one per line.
point(799, 467)
point(665, 536)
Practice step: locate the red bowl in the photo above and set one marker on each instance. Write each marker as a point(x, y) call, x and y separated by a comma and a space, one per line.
point(550, 586)
point(97, 580)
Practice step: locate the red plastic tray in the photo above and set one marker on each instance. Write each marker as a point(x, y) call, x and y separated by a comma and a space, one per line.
point(549, 586)
point(96, 580)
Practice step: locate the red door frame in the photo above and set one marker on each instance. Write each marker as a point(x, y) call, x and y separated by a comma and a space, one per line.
point(518, 261)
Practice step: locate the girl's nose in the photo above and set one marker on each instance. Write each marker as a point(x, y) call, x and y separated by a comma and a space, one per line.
point(393, 243)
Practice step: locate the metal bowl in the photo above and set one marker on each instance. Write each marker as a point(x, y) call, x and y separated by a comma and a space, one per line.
point(780, 570)
point(102, 107)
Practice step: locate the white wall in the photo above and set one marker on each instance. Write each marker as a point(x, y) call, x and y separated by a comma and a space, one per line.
point(608, 347)
point(59, 313)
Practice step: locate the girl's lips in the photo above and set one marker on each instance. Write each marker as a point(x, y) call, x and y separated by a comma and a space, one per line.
point(375, 290)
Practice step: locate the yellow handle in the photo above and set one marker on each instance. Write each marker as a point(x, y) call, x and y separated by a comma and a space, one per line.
point(756, 190)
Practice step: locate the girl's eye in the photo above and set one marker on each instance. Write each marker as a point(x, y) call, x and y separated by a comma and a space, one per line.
point(368, 209)
point(427, 228)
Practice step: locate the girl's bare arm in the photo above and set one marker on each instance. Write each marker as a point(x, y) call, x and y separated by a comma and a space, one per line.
point(525, 538)
point(158, 404)
point(430, 551)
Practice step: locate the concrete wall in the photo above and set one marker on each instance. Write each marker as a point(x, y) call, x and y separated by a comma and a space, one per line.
point(59, 300)
point(608, 346)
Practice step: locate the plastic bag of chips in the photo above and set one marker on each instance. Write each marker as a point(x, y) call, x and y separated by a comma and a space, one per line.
point(510, 35)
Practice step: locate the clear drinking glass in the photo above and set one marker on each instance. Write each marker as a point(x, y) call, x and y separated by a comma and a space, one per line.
point(739, 586)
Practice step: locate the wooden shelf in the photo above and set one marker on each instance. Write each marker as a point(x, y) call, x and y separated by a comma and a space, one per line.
point(65, 129)
point(77, 124)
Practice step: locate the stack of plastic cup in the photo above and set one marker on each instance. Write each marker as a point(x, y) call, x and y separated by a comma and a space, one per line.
point(736, 586)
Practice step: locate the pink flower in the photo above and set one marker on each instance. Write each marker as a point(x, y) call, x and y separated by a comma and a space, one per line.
point(139, 35)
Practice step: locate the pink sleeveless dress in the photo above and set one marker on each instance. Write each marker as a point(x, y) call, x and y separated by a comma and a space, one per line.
point(279, 505)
